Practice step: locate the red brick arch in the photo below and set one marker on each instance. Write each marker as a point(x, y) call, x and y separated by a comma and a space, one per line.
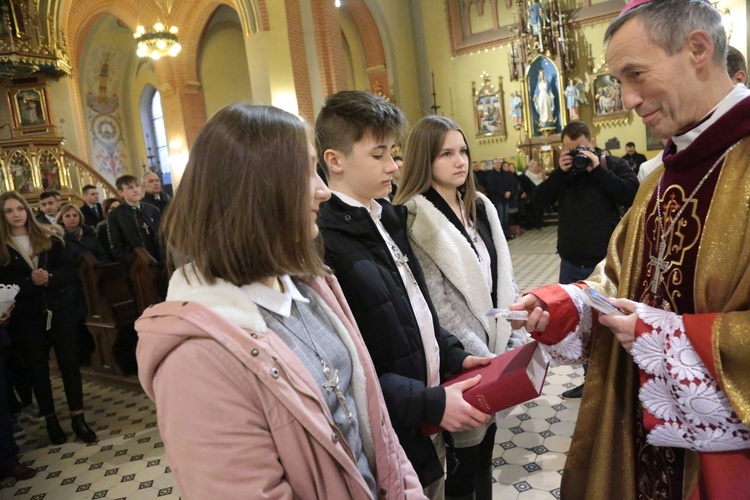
point(183, 102)
point(377, 70)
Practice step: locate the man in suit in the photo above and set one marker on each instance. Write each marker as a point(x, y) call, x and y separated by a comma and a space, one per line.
point(154, 195)
point(633, 158)
point(133, 224)
point(49, 203)
point(91, 208)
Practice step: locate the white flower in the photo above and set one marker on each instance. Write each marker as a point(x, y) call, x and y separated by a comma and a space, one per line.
point(648, 353)
point(657, 400)
point(684, 360)
point(669, 434)
point(701, 404)
point(570, 348)
point(658, 318)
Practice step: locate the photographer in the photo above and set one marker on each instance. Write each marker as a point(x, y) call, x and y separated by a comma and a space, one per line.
point(589, 195)
point(590, 190)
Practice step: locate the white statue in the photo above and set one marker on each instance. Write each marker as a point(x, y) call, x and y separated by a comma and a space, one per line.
point(544, 100)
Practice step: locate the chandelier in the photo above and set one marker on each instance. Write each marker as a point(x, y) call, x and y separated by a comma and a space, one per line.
point(160, 41)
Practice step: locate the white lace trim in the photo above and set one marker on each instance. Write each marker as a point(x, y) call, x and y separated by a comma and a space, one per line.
point(573, 349)
point(696, 412)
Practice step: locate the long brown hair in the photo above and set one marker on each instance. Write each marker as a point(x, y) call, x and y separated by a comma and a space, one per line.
point(422, 148)
point(242, 210)
point(40, 236)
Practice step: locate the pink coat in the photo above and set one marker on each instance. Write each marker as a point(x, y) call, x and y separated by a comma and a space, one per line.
point(241, 417)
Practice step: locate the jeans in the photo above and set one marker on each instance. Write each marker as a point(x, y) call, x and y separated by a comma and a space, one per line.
point(502, 212)
point(570, 273)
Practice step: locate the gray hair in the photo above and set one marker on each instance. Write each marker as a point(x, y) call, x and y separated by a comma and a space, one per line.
point(735, 61)
point(669, 22)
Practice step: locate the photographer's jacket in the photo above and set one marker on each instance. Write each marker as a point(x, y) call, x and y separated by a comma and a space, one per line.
point(589, 207)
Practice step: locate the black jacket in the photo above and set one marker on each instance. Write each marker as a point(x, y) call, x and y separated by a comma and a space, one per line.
point(161, 203)
point(124, 232)
point(635, 161)
point(88, 243)
point(89, 217)
point(589, 207)
point(379, 301)
point(32, 300)
point(41, 218)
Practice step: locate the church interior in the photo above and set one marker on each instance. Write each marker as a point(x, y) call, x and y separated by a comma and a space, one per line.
point(95, 89)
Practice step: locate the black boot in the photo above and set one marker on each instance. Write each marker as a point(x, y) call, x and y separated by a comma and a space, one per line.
point(54, 431)
point(483, 485)
point(81, 428)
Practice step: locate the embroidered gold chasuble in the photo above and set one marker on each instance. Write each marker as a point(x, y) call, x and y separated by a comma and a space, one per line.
point(608, 457)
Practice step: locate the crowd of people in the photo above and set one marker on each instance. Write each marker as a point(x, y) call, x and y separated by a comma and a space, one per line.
point(40, 253)
point(310, 321)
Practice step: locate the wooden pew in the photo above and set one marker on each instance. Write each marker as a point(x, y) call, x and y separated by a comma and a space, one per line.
point(148, 279)
point(111, 309)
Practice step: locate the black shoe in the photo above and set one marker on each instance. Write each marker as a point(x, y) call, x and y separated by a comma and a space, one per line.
point(54, 431)
point(82, 430)
point(574, 393)
point(19, 472)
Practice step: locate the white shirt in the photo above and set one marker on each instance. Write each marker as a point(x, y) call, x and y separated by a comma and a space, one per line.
point(416, 298)
point(274, 300)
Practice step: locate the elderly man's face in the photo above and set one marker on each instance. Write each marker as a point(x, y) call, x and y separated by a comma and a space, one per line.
point(662, 89)
point(151, 183)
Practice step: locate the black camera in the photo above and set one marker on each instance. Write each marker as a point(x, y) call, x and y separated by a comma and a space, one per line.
point(580, 161)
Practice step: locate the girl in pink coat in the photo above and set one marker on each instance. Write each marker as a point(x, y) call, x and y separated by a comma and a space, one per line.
point(262, 383)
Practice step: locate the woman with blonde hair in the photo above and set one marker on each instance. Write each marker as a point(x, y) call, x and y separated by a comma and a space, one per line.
point(458, 240)
point(262, 382)
point(35, 258)
point(79, 237)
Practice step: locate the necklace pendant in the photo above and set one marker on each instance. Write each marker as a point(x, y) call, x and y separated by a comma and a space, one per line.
point(332, 385)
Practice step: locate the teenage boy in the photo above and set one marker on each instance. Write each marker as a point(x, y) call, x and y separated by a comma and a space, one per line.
point(49, 204)
point(91, 208)
point(133, 224)
point(367, 246)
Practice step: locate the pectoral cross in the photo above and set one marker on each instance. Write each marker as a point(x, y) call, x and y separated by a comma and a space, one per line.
point(332, 385)
point(660, 266)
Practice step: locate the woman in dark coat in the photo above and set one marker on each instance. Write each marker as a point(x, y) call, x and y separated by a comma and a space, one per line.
point(35, 258)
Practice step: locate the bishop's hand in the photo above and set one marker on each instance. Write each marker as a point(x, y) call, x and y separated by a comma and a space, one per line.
point(623, 326)
point(537, 310)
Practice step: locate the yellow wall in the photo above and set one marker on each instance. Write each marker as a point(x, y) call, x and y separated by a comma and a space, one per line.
point(453, 77)
point(223, 69)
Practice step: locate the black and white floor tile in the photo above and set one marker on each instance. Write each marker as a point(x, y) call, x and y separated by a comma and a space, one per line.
point(129, 459)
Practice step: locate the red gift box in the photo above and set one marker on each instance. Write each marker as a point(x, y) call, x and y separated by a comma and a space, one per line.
point(510, 379)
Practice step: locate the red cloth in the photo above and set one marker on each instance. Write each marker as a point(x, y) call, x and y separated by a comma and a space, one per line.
point(562, 320)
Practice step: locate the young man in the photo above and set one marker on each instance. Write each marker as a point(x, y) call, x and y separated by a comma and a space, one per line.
point(666, 406)
point(367, 246)
point(133, 224)
point(633, 157)
point(154, 194)
point(91, 208)
point(49, 203)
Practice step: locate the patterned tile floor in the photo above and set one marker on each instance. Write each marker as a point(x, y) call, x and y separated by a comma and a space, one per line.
point(129, 462)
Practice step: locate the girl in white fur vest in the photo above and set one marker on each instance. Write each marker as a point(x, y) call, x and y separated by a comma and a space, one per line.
point(458, 240)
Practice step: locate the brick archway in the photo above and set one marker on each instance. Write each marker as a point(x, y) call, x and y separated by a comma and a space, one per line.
point(178, 77)
point(377, 70)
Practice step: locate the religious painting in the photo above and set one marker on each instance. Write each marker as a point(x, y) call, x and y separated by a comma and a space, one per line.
point(49, 168)
point(544, 100)
point(547, 159)
point(19, 167)
point(607, 92)
point(489, 111)
point(30, 107)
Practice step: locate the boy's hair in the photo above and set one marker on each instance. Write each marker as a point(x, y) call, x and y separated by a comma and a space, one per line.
point(125, 180)
point(87, 188)
point(627, 145)
point(347, 116)
point(735, 61)
point(576, 129)
point(49, 194)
